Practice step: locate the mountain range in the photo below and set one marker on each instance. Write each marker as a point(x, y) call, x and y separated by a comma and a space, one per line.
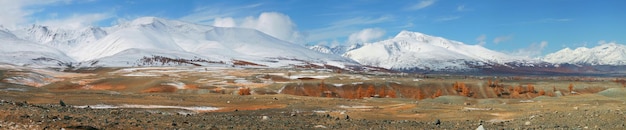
point(151, 41)
point(417, 52)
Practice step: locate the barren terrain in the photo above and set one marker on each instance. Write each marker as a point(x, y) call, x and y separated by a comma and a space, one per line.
point(216, 97)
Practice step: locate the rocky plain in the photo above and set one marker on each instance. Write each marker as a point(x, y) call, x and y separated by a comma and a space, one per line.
point(214, 98)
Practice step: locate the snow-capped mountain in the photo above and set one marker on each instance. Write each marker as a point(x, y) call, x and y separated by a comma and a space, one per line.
point(413, 50)
point(151, 39)
point(26, 53)
point(604, 54)
point(336, 50)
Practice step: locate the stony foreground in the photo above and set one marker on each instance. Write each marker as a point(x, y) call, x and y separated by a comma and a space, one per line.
point(22, 115)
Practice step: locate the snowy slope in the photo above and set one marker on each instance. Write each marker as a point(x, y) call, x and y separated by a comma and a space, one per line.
point(336, 50)
point(59, 38)
point(409, 50)
point(605, 54)
point(25, 53)
point(128, 44)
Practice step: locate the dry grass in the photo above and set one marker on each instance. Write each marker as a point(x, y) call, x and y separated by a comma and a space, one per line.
point(413, 103)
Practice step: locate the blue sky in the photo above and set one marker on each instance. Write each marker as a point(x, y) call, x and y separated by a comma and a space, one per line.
point(530, 27)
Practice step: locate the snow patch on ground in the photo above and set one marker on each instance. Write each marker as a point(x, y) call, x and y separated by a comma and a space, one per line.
point(356, 107)
point(140, 75)
point(14, 89)
point(178, 85)
point(242, 81)
point(194, 108)
point(309, 76)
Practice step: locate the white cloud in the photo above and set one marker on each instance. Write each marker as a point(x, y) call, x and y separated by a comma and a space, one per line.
point(275, 24)
point(208, 14)
point(18, 12)
point(224, 22)
point(366, 35)
point(76, 20)
point(422, 4)
point(481, 40)
point(344, 27)
point(502, 39)
point(532, 51)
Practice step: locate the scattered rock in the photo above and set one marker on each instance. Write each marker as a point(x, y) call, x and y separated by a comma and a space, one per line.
point(320, 126)
point(81, 127)
point(527, 123)
point(480, 127)
point(62, 103)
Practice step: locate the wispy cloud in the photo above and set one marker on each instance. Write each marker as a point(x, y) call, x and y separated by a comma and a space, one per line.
point(460, 8)
point(499, 39)
point(481, 40)
point(77, 20)
point(533, 51)
point(19, 12)
point(360, 21)
point(542, 21)
point(447, 18)
point(422, 4)
point(207, 14)
point(344, 27)
point(554, 20)
point(366, 35)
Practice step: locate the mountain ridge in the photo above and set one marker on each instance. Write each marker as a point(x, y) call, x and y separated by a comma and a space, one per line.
point(603, 54)
point(157, 37)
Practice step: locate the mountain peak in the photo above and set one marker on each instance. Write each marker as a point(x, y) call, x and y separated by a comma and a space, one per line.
point(410, 34)
point(147, 20)
point(603, 54)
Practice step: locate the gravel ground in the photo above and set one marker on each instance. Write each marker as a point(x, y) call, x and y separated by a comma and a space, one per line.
point(22, 115)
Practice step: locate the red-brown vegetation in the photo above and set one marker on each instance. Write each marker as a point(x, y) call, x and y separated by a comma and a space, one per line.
point(245, 63)
point(391, 94)
point(542, 92)
point(360, 92)
point(244, 91)
point(418, 95)
point(437, 94)
point(531, 88)
point(160, 89)
point(371, 91)
point(382, 93)
point(322, 88)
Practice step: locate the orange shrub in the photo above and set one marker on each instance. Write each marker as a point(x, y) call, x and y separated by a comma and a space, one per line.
point(392, 94)
point(571, 88)
point(418, 95)
point(531, 88)
point(542, 92)
point(437, 94)
point(381, 93)
point(465, 91)
point(244, 91)
point(371, 91)
point(360, 92)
